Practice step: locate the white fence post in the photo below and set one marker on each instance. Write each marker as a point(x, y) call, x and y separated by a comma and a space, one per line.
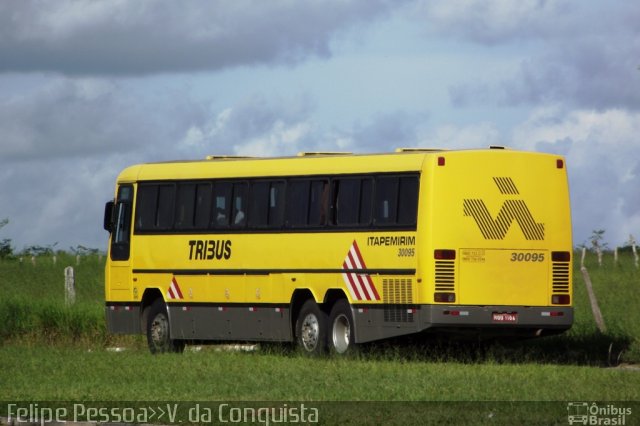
point(597, 314)
point(69, 286)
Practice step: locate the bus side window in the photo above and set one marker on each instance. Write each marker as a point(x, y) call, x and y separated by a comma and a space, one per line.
point(408, 201)
point(319, 203)
point(166, 206)
point(259, 208)
point(276, 204)
point(386, 200)
point(239, 214)
point(185, 206)
point(366, 202)
point(146, 207)
point(221, 211)
point(203, 206)
point(298, 195)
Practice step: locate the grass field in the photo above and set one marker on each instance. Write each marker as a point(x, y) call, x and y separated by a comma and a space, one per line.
point(46, 347)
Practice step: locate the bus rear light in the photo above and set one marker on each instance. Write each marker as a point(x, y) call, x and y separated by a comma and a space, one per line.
point(444, 297)
point(559, 163)
point(552, 314)
point(560, 299)
point(457, 313)
point(442, 254)
point(561, 256)
point(441, 161)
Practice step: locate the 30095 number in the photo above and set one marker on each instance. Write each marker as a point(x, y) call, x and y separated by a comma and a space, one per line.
point(527, 257)
point(406, 252)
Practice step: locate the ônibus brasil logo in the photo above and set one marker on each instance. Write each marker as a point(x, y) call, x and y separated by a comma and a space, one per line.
point(511, 210)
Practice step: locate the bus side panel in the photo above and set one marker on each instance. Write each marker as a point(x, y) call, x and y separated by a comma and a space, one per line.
point(123, 318)
point(229, 322)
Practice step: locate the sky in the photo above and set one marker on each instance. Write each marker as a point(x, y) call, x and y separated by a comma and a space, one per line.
point(90, 87)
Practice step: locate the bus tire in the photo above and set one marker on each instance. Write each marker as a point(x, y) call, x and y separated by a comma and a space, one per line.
point(341, 328)
point(159, 332)
point(311, 329)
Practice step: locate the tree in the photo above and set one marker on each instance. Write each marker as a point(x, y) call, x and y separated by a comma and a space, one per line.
point(598, 245)
point(5, 244)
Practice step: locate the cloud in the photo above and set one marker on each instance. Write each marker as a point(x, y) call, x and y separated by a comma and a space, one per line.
point(385, 132)
point(86, 117)
point(491, 22)
point(603, 162)
point(51, 201)
point(451, 136)
point(84, 37)
point(594, 73)
point(584, 54)
point(254, 126)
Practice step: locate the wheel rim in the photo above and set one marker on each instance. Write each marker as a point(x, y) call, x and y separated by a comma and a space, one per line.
point(160, 331)
point(341, 333)
point(310, 332)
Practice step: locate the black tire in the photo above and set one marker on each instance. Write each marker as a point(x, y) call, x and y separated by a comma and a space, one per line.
point(159, 332)
point(311, 329)
point(340, 338)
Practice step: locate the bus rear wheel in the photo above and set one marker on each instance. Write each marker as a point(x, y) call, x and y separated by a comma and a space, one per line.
point(159, 331)
point(341, 328)
point(311, 329)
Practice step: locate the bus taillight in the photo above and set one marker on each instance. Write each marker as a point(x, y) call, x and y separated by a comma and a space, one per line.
point(444, 297)
point(561, 256)
point(560, 299)
point(442, 254)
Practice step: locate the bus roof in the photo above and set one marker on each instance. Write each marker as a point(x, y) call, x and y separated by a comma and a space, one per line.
point(317, 163)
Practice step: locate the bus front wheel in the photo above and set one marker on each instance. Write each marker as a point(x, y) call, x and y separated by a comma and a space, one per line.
point(341, 327)
point(311, 329)
point(158, 330)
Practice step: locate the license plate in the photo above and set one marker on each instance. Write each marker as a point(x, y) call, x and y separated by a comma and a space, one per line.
point(505, 317)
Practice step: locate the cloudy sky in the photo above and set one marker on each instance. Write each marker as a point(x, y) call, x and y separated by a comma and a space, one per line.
point(88, 87)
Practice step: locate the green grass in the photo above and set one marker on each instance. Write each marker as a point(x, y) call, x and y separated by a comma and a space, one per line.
point(60, 373)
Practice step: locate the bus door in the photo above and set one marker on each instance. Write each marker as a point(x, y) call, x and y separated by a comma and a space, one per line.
point(119, 271)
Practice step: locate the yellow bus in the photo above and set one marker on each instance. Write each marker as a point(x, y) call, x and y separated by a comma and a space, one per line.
point(329, 250)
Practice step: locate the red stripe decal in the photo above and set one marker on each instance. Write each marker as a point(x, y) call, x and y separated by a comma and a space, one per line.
point(352, 284)
point(177, 287)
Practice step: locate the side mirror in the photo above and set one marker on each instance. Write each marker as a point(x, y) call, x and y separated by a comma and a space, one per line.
point(108, 216)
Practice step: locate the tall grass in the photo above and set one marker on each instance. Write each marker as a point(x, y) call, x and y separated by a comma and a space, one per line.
point(32, 306)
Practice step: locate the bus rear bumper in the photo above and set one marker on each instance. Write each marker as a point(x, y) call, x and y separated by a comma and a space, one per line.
point(554, 317)
point(384, 321)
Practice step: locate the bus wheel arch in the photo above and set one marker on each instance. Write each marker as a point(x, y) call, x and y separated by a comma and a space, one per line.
point(311, 327)
point(158, 327)
point(341, 330)
point(150, 295)
point(309, 322)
